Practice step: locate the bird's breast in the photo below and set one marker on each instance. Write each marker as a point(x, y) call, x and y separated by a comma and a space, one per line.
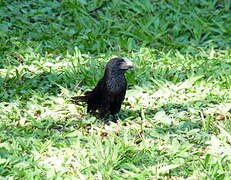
point(116, 85)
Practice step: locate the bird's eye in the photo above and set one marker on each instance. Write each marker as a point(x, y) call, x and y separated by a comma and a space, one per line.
point(120, 61)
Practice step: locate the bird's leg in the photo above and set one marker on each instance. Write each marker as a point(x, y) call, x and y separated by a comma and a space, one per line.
point(115, 118)
point(102, 115)
point(103, 111)
point(110, 118)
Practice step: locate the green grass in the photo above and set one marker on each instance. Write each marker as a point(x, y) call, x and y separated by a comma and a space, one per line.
point(176, 120)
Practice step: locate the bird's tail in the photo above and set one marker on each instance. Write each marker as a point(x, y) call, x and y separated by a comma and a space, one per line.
point(79, 99)
point(82, 98)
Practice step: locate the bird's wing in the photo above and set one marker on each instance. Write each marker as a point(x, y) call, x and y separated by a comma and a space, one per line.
point(100, 98)
point(90, 96)
point(99, 94)
point(99, 88)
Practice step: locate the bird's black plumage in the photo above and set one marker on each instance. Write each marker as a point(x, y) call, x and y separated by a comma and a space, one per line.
point(110, 91)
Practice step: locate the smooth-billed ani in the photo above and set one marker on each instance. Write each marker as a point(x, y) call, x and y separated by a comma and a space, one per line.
point(109, 93)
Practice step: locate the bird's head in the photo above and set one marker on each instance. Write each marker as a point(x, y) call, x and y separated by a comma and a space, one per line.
point(119, 64)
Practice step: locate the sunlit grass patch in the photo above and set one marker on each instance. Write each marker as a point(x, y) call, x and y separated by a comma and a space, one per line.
point(168, 125)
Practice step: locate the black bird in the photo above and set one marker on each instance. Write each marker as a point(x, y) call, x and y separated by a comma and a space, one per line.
point(110, 91)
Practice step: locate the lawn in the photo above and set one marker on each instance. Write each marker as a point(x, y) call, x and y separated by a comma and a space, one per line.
point(175, 122)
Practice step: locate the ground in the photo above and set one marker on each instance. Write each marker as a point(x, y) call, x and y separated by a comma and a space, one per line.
point(175, 120)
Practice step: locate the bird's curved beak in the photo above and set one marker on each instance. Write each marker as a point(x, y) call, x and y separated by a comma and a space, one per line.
point(128, 64)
